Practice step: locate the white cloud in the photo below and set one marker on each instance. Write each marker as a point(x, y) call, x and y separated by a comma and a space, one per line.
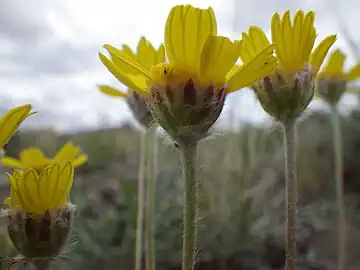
point(48, 55)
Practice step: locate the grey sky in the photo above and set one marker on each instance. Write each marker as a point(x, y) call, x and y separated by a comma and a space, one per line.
point(48, 50)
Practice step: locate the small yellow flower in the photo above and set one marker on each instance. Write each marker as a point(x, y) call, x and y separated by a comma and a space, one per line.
point(148, 56)
point(335, 68)
point(186, 95)
point(10, 122)
point(287, 92)
point(36, 193)
point(332, 79)
point(35, 159)
point(294, 42)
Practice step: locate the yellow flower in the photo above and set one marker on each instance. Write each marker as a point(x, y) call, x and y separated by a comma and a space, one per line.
point(332, 79)
point(194, 52)
point(10, 122)
point(146, 55)
point(197, 74)
point(335, 68)
point(35, 193)
point(294, 42)
point(287, 92)
point(34, 158)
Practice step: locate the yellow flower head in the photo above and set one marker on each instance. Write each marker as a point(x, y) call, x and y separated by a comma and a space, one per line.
point(35, 193)
point(294, 42)
point(332, 79)
point(10, 122)
point(335, 68)
point(287, 92)
point(186, 94)
point(34, 158)
point(194, 52)
point(146, 55)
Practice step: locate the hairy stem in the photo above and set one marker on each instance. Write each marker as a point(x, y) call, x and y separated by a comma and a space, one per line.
point(189, 160)
point(150, 198)
point(291, 192)
point(338, 169)
point(141, 200)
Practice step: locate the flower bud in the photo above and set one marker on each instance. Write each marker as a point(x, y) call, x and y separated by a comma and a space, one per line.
point(40, 237)
point(139, 108)
point(186, 111)
point(331, 89)
point(285, 96)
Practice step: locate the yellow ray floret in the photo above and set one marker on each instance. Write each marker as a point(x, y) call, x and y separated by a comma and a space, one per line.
point(194, 52)
point(146, 54)
point(335, 68)
point(10, 122)
point(294, 42)
point(34, 158)
point(35, 193)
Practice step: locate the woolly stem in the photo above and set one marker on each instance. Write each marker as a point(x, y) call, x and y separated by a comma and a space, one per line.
point(338, 170)
point(291, 192)
point(150, 198)
point(141, 200)
point(189, 160)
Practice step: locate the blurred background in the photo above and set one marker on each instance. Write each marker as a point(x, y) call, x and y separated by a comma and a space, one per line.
point(48, 57)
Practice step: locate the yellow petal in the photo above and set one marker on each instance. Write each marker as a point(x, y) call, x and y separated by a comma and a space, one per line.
point(111, 91)
point(307, 39)
point(137, 83)
point(80, 160)
point(33, 158)
point(46, 187)
point(31, 191)
point(160, 54)
point(186, 31)
point(11, 121)
point(67, 153)
point(28, 188)
point(288, 36)
point(15, 197)
point(318, 55)
point(297, 33)
point(253, 43)
point(64, 183)
point(120, 65)
point(277, 38)
point(51, 174)
point(218, 57)
point(126, 49)
point(335, 64)
point(11, 162)
point(354, 73)
point(262, 65)
point(146, 54)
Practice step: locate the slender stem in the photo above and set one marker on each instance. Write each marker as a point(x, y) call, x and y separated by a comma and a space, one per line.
point(338, 163)
point(141, 200)
point(150, 198)
point(291, 192)
point(189, 160)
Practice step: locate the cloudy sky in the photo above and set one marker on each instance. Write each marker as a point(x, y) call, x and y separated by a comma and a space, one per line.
point(48, 50)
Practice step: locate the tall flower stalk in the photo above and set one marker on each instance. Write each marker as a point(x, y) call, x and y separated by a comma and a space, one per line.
point(186, 95)
point(287, 92)
point(147, 55)
point(338, 172)
point(152, 157)
point(141, 201)
point(332, 82)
